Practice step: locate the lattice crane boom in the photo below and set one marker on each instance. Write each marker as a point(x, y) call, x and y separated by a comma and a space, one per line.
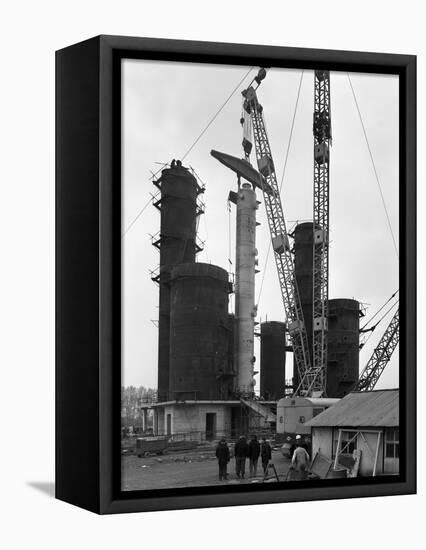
point(279, 236)
point(315, 378)
point(380, 357)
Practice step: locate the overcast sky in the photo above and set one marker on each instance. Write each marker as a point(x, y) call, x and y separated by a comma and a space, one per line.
point(165, 108)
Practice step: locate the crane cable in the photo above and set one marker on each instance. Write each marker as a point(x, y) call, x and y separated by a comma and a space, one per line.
point(379, 310)
point(374, 166)
point(282, 178)
point(378, 322)
point(217, 113)
point(191, 147)
point(207, 235)
point(131, 224)
point(228, 205)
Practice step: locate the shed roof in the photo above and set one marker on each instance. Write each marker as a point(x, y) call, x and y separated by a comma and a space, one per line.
point(368, 408)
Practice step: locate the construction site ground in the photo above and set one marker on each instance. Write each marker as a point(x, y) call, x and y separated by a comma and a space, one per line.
point(193, 468)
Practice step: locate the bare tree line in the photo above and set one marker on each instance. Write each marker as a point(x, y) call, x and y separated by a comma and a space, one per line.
point(131, 399)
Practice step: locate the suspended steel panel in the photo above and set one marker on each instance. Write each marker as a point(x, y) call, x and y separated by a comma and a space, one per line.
point(242, 168)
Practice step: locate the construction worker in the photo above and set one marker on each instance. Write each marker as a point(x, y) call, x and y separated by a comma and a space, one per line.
point(300, 460)
point(254, 452)
point(222, 455)
point(265, 454)
point(241, 452)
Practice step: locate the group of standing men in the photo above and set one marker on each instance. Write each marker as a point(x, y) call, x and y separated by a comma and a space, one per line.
point(243, 450)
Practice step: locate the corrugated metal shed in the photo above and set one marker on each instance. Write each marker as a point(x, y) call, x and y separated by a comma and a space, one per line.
point(379, 408)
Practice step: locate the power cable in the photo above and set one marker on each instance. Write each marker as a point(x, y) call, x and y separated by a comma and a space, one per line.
point(282, 177)
point(374, 166)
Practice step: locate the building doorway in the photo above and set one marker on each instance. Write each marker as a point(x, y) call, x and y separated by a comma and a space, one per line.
point(169, 424)
point(210, 426)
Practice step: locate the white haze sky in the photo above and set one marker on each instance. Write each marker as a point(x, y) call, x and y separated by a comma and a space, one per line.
point(165, 108)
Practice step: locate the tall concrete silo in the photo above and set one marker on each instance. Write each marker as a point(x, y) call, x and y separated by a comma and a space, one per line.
point(343, 346)
point(272, 360)
point(200, 333)
point(245, 271)
point(177, 244)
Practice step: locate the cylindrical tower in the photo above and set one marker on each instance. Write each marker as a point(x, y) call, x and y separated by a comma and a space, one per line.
point(343, 346)
point(272, 360)
point(177, 244)
point(245, 270)
point(303, 263)
point(200, 366)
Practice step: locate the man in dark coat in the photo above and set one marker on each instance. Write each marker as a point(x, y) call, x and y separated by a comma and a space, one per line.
point(254, 452)
point(222, 455)
point(265, 454)
point(241, 452)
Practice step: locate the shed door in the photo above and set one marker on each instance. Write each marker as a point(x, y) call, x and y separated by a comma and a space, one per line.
point(391, 460)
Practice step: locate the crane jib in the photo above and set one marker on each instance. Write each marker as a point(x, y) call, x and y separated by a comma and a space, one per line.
point(279, 236)
point(316, 380)
point(312, 377)
point(381, 356)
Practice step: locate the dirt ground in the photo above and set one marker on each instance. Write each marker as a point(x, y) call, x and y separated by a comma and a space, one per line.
point(188, 469)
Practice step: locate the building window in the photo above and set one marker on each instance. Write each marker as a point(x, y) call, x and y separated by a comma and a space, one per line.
point(392, 444)
point(316, 412)
point(348, 442)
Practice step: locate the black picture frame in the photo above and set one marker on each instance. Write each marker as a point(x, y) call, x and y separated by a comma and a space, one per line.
point(88, 260)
